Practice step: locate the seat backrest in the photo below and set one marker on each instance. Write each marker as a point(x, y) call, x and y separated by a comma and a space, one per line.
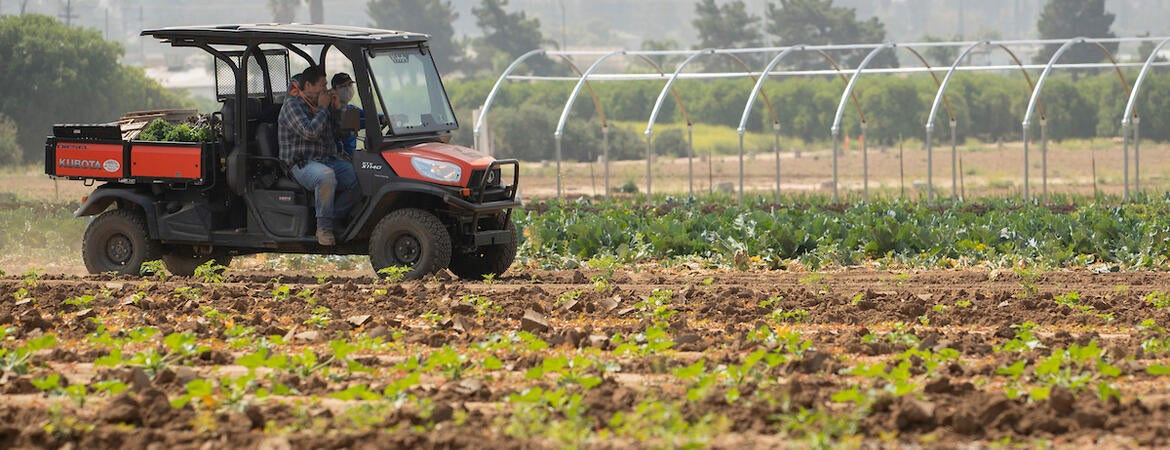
point(229, 116)
point(266, 140)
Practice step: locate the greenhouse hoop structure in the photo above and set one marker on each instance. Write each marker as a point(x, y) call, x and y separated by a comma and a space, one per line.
point(1034, 112)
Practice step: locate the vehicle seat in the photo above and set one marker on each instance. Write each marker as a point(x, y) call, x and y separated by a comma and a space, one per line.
point(273, 174)
point(228, 112)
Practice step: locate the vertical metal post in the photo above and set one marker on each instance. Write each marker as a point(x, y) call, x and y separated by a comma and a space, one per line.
point(776, 148)
point(902, 164)
point(691, 157)
point(558, 140)
point(1125, 159)
point(864, 166)
point(954, 161)
point(605, 155)
point(835, 143)
point(1137, 156)
point(649, 161)
point(1026, 196)
point(741, 167)
point(1044, 159)
point(929, 165)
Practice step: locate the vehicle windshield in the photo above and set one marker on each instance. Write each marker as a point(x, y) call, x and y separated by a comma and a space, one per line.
point(411, 91)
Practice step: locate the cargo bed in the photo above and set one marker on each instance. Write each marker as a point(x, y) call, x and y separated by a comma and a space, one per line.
point(82, 152)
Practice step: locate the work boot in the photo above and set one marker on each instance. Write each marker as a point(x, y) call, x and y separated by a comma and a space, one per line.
point(325, 237)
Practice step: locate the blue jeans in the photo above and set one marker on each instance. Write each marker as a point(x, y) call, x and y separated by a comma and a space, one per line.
point(329, 179)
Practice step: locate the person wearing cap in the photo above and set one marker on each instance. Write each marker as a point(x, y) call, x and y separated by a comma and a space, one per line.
point(308, 144)
point(344, 86)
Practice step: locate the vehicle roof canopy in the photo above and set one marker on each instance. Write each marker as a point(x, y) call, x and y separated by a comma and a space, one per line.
point(295, 33)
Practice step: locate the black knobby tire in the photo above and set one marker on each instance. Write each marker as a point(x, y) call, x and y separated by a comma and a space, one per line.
point(491, 260)
point(183, 262)
point(118, 241)
point(412, 238)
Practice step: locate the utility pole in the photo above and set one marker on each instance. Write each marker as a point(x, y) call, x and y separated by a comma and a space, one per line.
point(141, 47)
point(564, 41)
point(68, 16)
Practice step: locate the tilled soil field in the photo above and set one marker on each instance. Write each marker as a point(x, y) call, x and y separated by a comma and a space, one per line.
point(642, 357)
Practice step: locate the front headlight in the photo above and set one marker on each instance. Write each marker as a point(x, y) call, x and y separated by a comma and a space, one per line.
point(437, 170)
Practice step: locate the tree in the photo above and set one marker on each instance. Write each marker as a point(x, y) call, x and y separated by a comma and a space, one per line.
point(1065, 19)
point(285, 11)
point(61, 74)
point(1146, 48)
point(664, 44)
point(10, 152)
point(940, 56)
point(433, 17)
point(506, 36)
point(727, 26)
point(818, 22)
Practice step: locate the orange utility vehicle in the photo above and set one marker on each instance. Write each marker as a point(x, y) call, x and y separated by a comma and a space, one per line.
point(424, 204)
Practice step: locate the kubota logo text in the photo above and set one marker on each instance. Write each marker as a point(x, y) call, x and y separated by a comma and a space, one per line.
point(90, 164)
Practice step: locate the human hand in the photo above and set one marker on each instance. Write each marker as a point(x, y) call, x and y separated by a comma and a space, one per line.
point(325, 98)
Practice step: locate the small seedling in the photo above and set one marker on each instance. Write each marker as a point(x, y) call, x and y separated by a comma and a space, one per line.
point(568, 296)
point(155, 268)
point(394, 274)
point(320, 317)
point(211, 272)
point(281, 293)
point(1158, 299)
point(80, 302)
point(482, 304)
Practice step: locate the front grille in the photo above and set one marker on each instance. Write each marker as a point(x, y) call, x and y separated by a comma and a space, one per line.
point(493, 178)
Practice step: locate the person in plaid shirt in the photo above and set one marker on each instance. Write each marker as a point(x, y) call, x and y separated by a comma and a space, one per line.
point(309, 146)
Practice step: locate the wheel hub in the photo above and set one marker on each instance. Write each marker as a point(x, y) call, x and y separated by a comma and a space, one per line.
point(407, 249)
point(119, 249)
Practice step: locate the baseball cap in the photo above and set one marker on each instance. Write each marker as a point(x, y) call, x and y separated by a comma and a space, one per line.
point(339, 79)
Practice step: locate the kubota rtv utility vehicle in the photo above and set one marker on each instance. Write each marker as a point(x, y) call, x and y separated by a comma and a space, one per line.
point(424, 204)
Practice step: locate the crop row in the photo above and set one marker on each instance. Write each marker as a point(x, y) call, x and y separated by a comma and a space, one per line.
point(535, 388)
point(817, 234)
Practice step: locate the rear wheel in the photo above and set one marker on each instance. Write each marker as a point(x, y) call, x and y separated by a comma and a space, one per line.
point(183, 261)
point(487, 260)
point(118, 241)
point(410, 238)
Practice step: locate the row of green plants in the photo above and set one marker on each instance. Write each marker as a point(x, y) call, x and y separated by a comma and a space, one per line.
point(551, 404)
point(815, 233)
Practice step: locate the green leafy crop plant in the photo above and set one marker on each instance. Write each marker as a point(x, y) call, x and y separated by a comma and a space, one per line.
point(17, 359)
point(813, 233)
point(211, 272)
point(180, 348)
point(1076, 368)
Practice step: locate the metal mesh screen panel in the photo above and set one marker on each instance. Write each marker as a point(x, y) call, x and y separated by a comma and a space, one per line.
point(225, 83)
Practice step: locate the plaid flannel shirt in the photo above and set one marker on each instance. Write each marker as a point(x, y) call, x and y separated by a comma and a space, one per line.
point(304, 134)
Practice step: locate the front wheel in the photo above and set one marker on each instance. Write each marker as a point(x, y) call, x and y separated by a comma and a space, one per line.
point(183, 262)
point(118, 241)
point(410, 238)
point(489, 260)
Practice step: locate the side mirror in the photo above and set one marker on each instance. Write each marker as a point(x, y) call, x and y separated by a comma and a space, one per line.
point(351, 119)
